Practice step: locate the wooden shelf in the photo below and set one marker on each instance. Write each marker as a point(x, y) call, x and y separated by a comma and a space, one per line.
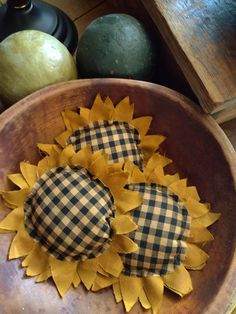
point(201, 37)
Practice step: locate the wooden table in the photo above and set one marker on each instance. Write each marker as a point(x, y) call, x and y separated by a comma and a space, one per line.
point(83, 12)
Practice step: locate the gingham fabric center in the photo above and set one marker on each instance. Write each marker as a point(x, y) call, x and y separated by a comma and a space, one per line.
point(119, 140)
point(69, 214)
point(163, 227)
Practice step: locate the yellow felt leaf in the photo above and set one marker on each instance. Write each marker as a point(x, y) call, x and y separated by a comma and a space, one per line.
point(151, 143)
point(83, 157)
point(179, 188)
point(76, 121)
point(111, 262)
point(21, 245)
point(124, 110)
point(196, 258)
point(76, 280)
point(117, 292)
point(123, 224)
point(123, 244)
point(179, 281)
point(44, 276)
point(63, 273)
point(102, 282)
point(144, 300)
point(127, 200)
point(85, 113)
point(208, 219)
point(63, 137)
point(16, 198)
point(47, 148)
point(29, 172)
point(154, 288)
point(13, 220)
point(130, 290)
point(101, 110)
point(192, 192)
point(142, 124)
point(36, 262)
point(195, 208)
point(18, 180)
point(66, 155)
point(87, 271)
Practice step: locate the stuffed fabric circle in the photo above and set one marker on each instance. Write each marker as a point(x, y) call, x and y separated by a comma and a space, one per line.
point(69, 214)
point(163, 227)
point(117, 139)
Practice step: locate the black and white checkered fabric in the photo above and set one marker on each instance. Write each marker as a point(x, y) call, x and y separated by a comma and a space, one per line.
point(119, 140)
point(69, 214)
point(163, 227)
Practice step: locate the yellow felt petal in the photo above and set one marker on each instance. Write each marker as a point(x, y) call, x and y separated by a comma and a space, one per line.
point(156, 160)
point(45, 164)
point(135, 174)
point(123, 244)
point(102, 282)
point(171, 178)
point(85, 113)
point(130, 290)
point(76, 120)
point(21, 245)
point(115, 167)
point(29, 172)
point(154, 287)
point(158, 176)
point(117, 292)
point(44, 276)
point(142, 124)
point(179, 188)
point(127, 200)
point(196, 258)
point(47, 148)
point(208, 219)
point(66, 121)
point(179, 281)
point(15, 198)
point(195, 208)
point(144, 300)
point(123, 224)
point(109, 104)
point(76, 280)
point(18, 180)
point(111, 262)
point(150, 143)
point(192, 192)
point(63, 137)
point(124, 110)
point(13, 220)
point(100, 110)
point(198, 233)
point(83, 157)
point(66, 155)
point(99, 167)
point(101, 271)
point(87, 271)
point(63, 273)
point(115, 181)
point(36, 262)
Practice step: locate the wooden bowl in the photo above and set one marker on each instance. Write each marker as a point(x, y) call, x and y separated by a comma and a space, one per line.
point(200, 151)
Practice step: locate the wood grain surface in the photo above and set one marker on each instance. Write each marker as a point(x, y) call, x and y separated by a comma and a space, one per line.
point(200, 151)
point(202, 36)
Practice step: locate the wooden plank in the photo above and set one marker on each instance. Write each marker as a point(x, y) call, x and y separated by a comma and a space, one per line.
point(229, 128)
point(201, 36)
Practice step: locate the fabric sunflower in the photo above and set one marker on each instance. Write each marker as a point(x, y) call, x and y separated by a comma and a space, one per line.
point(98, 208)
